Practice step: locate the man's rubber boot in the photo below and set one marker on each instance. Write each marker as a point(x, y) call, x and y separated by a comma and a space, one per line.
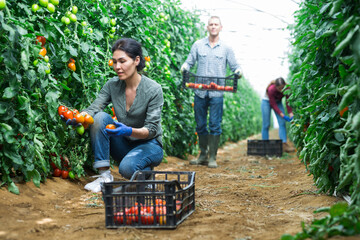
point(203, 158)
point(213, 148)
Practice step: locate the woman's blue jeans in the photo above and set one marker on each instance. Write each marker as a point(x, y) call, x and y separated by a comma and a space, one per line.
point(132, 155)
point(215, 107)
point(266, 114)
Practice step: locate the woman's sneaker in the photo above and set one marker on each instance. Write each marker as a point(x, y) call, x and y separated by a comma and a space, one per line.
point(95, 186)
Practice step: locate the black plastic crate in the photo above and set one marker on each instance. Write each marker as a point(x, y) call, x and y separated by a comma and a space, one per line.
point(151, 199)
point(227, 84)
point(264, 147)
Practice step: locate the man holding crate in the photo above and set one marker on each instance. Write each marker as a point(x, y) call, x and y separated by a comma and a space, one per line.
point(212, 56)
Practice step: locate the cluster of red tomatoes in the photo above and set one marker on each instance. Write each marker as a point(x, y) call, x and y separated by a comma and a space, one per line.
point(211, 86)
point(147, 215)
point(83, 118)
point(65, 170)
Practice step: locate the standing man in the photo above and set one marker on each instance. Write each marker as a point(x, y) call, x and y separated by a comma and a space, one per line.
point(212, 56)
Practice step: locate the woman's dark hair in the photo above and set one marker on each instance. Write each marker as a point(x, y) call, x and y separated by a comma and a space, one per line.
point(278, 82)
point(132, 48)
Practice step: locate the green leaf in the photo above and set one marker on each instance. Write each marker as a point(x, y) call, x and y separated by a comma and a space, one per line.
point(73, 51)
point(13, 188)
point(9, 93)
point(85, 47)
point(14, 156)
point(24, 60)
point(338, 209)
point(36, 177)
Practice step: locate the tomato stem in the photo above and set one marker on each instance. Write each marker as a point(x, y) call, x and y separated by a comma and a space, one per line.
point(8, 11)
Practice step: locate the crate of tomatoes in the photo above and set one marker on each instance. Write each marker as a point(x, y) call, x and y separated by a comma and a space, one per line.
point(150, 199)
point(193, 81)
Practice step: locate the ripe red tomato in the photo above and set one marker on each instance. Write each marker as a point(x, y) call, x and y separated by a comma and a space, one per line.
point(62, 109)
point(71, 60)
point(52, 164)
point(68, 114)
point(119, 218)
point(111, 62)
point(147, 59)
point(88, 119)
point(228, 88)
point(57, 172)
point(72, 66)
point(110, 126)
point(79, 118)
point(41, 39)
point(64, 174)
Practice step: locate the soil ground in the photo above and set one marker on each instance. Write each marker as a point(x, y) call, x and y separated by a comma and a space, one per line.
point(246, 197)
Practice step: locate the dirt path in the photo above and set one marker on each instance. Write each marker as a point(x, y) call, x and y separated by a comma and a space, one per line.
point(247, 197)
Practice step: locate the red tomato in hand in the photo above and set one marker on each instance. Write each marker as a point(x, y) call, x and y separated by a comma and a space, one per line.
point(62, 109)
point(68, 114)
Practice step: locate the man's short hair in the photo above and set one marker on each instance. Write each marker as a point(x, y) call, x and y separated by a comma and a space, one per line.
point(216, 17)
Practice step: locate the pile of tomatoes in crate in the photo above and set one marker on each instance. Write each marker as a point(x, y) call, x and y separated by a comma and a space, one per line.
point(148, 214)
point(211, 86)
point(81, 120)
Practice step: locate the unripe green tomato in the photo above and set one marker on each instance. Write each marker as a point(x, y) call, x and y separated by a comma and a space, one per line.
point(90, 30)
point(168, 44)
point(67, 21)
point(113, 7)
point(71, 175)
point(162, 20)
point(63, 19)
point(2, 4)
point(145, 69)
point(55, 2)
point(162, 15)
point(51, 7)
point(74, 9)
point(47, 71)
point(168, 36)
point(111, 35)
point(35, 62)
point(166, 18)
point(73, 17)
point(83, 23)
point(113, 29)
point(67, 31)
point(147, 64)
point(68, 13)
point(113, 22)
point(44, 3)
point(80, 130)
point(46, 58)
point(34, 7)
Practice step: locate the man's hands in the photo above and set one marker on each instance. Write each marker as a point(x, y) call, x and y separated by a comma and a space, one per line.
point(71, 122)
point(184, 67)
point(238, 72)
point(120, 130)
